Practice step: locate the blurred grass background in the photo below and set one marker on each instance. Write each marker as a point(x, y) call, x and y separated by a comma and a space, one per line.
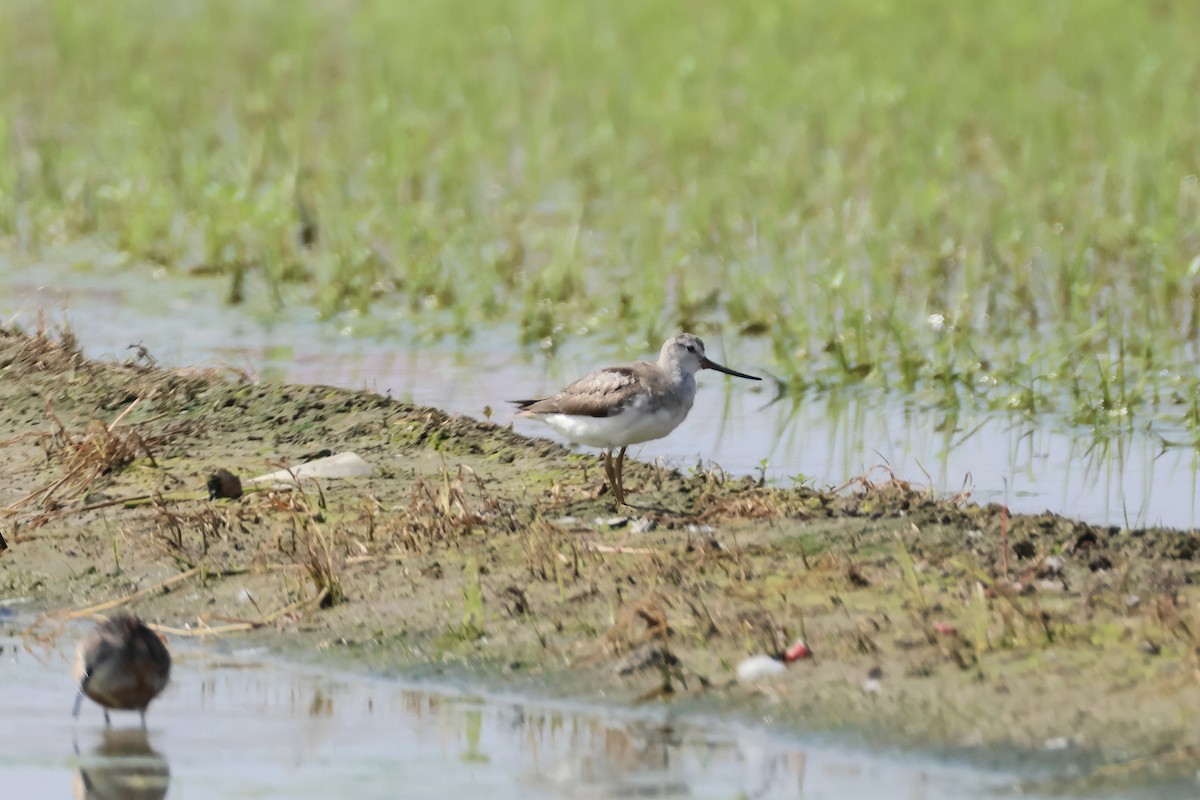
point(982, 202)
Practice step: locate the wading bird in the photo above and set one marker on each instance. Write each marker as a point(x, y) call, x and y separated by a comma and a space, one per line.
point(122, 665)
point(623, 405)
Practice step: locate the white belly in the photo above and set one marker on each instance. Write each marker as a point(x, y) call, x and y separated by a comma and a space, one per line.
point(633, 425)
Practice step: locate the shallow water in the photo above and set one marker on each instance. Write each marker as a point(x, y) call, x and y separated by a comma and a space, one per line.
point(1125, 480)
point(235, 723)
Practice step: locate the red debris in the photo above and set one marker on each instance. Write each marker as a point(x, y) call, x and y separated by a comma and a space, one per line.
point(797, 652)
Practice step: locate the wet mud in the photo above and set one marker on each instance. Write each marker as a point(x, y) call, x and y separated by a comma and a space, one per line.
point(477, 554)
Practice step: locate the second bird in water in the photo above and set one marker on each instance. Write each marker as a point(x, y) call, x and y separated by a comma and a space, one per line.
point(627, 404)
point(122, 665)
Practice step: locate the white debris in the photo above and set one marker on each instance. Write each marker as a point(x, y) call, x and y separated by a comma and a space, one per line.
point(758, 667)
point(340, 465)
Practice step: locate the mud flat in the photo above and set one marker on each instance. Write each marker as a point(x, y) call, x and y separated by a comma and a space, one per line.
point(475, 553)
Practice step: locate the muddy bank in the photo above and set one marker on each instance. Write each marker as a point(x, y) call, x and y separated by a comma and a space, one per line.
point(472, 550)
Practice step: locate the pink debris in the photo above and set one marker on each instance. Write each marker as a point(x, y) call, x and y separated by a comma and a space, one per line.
point(797, 652)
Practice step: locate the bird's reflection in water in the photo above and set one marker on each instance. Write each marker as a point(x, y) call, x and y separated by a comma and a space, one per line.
point(589, 758)
point(613, 761)
point(123, 767)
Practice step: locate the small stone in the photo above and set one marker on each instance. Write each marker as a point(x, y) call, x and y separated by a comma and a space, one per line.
point(224, 484)
point(1150, 648)
point(694, 528)
point(643, 525)
point(1024, 549)
point(1056, 743)
point(874, 682)
point(1052, 566)
point(1133, 601)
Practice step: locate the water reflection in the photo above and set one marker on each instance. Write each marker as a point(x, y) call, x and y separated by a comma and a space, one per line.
point(234, 724)
point(562, 754)
point(639, 760)
point(1126, 477)
point(122, 767)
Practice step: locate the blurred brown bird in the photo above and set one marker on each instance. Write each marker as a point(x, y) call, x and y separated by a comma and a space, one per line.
point(122, 665)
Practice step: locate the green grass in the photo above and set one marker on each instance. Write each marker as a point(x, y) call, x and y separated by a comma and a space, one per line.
point(972, 202)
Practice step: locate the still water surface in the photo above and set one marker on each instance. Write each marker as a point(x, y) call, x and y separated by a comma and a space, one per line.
point(1036, 466)
point(237, 724)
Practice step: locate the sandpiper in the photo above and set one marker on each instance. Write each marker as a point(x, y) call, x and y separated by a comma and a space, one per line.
point(121, 665)
point(632, 403)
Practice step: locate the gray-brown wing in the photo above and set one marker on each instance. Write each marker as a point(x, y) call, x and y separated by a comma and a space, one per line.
point(603, 393)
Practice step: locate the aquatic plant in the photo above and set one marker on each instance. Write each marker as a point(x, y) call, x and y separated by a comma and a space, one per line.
point(991, 204)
